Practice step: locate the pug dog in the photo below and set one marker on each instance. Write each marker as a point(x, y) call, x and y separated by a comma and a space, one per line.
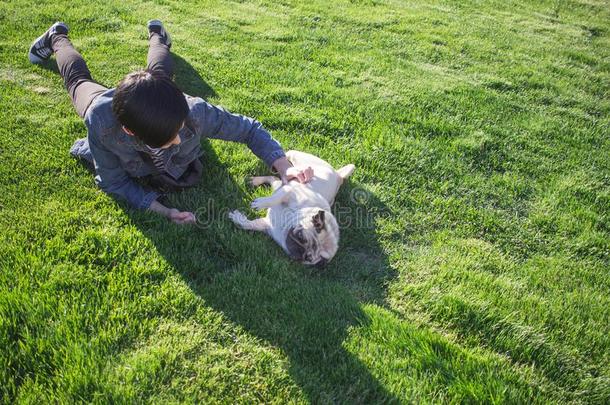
point(298, 217)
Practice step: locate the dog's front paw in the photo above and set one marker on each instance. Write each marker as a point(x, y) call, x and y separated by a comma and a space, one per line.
point(255, 181)
point(237, 217)
point(259, 203)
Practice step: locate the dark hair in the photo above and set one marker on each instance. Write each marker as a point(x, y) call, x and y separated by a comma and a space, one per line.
point(151, 106)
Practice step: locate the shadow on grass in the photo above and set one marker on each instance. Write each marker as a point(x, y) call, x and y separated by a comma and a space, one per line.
point(189, 81)
point(50, 65)
point(248, 278)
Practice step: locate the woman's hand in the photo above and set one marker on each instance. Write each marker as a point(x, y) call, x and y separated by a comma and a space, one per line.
point(181, 217)
point(288, 172)
point(174, 215)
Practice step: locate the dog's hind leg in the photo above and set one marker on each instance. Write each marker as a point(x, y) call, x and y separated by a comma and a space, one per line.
point(273, 181)
point(260, 180)
point(346, 171)
point(279, 196)
point(239, 219)
point(276, 183)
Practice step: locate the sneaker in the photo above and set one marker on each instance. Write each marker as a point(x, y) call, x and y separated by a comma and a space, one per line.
point(41, 47)
point(157, 27)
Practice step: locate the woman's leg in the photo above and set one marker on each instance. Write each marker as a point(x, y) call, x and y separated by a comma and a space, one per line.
point(159, 43)
point(76, 75)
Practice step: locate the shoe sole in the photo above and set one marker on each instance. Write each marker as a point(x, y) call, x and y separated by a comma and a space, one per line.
point(35, 59)
point(32, 56)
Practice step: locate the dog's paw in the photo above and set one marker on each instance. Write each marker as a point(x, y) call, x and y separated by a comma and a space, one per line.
point(237, 217)
point(259, 203)
point(255, 181)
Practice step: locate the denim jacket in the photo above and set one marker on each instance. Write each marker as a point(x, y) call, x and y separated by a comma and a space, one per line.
point(117, 159)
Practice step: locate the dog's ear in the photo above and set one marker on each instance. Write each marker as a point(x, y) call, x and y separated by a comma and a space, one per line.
point(318, 221)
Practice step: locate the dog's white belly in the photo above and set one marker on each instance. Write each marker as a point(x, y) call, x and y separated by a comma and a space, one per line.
point(325, 181)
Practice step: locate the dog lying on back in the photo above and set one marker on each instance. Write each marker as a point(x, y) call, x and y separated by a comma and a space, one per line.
point(299, 218)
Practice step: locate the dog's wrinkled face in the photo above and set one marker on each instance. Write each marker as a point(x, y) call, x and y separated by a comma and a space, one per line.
point(314, 240)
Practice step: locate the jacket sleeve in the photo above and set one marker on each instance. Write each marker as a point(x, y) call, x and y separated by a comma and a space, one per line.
point(216, 122)
point(110, 176)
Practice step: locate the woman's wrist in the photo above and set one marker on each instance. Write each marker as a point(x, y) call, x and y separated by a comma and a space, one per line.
point(281, 165)
point(159, 208)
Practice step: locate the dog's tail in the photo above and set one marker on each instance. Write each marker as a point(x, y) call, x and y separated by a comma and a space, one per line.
point(346, 171)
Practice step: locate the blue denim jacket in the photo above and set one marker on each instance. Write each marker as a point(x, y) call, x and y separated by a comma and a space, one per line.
point(117, 161)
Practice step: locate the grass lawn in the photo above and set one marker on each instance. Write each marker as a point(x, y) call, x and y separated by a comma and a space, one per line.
point(475, 253)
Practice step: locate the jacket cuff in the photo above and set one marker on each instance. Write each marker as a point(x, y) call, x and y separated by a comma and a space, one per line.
point(273, 156)
point(148, 199)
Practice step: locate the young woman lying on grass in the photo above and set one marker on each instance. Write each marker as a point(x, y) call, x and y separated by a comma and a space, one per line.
point(147, 128)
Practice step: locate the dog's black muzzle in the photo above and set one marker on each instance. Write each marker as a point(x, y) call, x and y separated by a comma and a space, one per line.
point(321, 264)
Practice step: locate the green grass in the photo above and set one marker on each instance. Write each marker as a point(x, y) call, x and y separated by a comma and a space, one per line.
point(477, 264)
